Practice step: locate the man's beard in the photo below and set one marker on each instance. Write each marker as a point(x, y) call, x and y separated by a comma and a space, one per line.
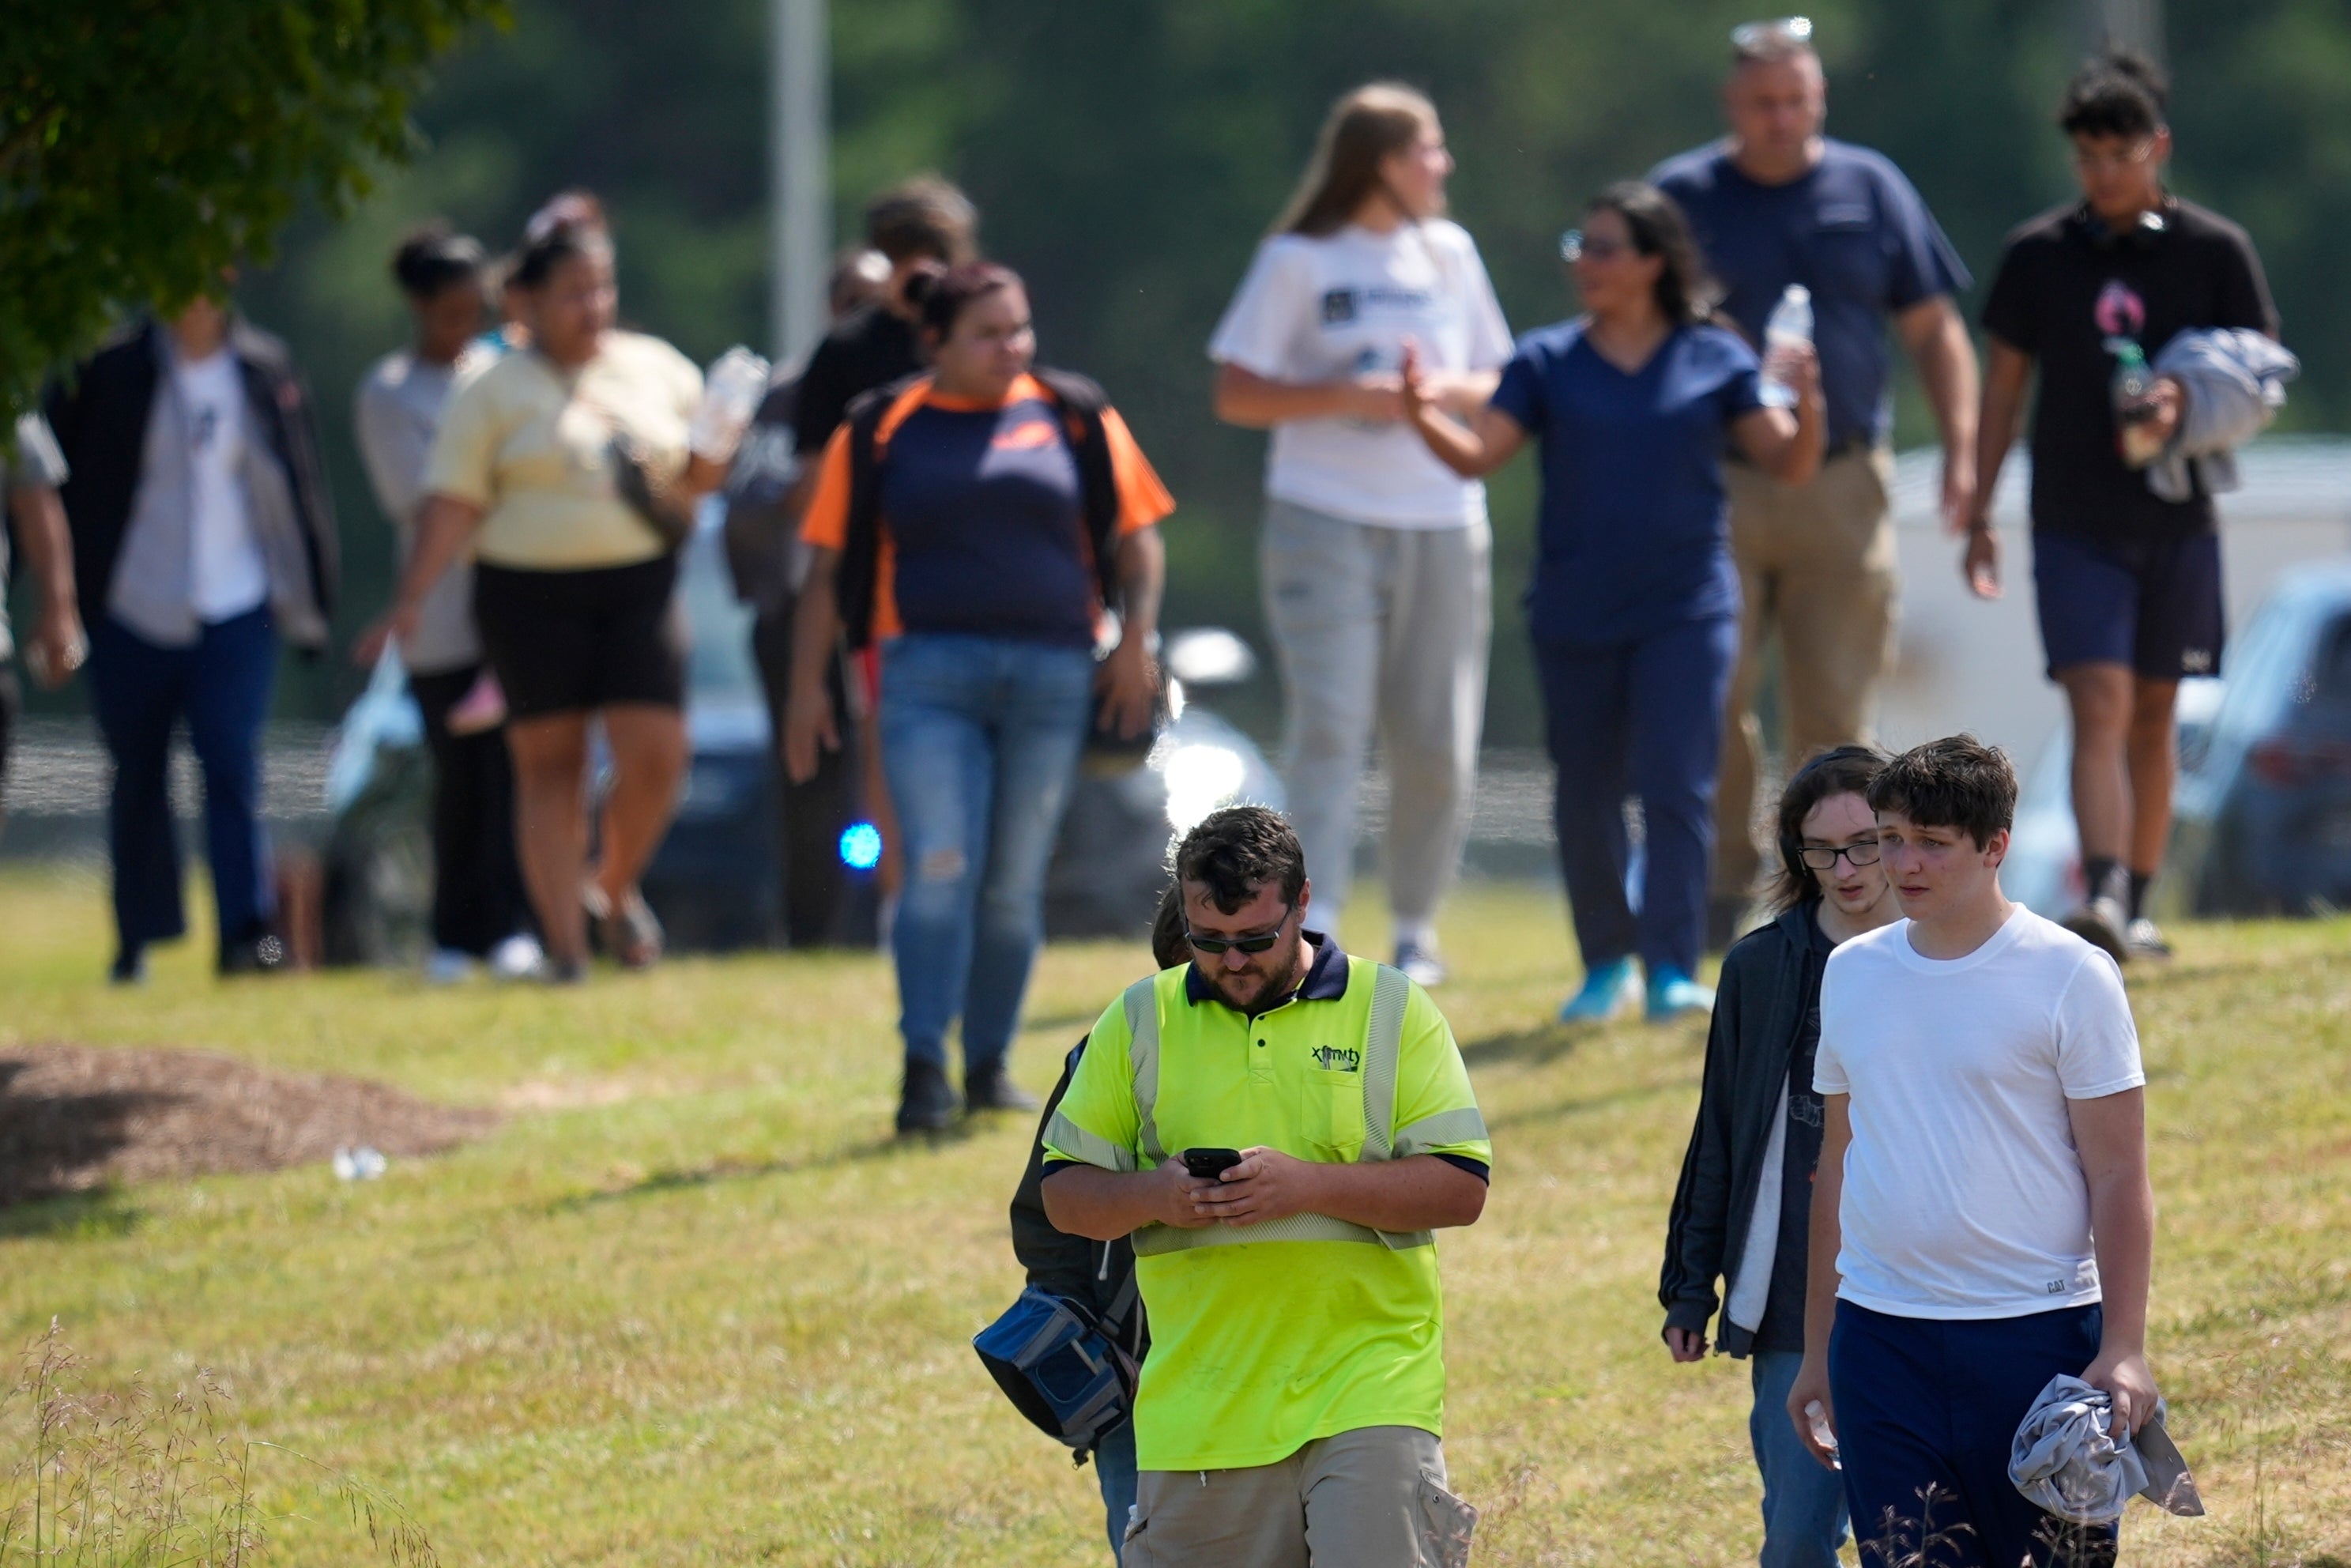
point(1264, 986)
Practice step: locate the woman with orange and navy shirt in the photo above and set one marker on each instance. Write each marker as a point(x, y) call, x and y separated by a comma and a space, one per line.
point(974, 522)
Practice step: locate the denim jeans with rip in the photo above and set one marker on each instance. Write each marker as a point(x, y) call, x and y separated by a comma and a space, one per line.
point(980, 740)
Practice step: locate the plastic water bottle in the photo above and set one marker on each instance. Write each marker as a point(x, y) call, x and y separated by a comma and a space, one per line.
point(1819, 1420)
point(1790, 323)
point(731, 393)
point(2133, 391)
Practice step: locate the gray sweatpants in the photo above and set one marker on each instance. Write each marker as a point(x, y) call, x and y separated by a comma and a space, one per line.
point(1380, 632)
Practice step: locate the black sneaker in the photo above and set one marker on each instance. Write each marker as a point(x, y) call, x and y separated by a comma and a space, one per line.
point(262, 955)
point(128, 968)
point(928, 1102)
point(990, 1088)
point(2100, 922)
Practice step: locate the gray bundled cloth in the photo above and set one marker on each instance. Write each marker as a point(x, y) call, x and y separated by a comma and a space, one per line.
point(2236, 384)
point(2065, 1461)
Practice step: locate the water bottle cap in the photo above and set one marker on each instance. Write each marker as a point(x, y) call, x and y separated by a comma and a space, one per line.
point(1798, 292)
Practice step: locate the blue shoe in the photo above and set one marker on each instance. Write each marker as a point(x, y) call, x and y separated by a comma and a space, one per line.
point(1673, 994)
point(1606, 991)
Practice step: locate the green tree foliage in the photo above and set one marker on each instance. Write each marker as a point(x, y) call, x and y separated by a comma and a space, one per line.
point(1128, 153)
point(147, 144)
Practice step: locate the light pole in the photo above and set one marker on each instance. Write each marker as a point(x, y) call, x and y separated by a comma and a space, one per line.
point(800, 164)
point(2126, 24)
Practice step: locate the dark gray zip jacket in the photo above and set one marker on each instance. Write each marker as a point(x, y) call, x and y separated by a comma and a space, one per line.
point(1759, 1010)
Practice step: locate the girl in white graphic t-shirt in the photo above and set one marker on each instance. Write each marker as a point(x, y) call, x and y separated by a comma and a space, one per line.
point(1376, 556)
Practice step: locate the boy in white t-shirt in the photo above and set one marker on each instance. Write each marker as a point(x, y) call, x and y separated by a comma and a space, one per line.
point(1981, 1219)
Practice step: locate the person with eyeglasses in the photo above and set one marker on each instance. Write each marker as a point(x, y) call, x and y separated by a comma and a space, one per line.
point(2127, 583)
point(1633, 607)
point(1778, 203)
point(1743, 1207)
point(1376, 563)
point(1278, 1128)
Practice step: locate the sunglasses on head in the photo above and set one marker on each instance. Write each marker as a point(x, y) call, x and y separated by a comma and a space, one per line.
point(1214, 945)
point(1780, 32)
point(1575, 244)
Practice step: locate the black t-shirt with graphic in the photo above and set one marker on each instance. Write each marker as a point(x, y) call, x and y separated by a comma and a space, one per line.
point(1782, 1327)
point(870, 348)
point(2065, 286)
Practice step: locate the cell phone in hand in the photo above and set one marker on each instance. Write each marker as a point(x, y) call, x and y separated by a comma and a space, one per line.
point(1207, 1165)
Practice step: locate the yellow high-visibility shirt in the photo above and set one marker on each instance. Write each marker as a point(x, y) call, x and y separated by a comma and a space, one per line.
point(1260, 1346)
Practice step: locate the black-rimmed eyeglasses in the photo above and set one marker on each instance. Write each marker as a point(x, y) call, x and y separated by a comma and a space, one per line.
point(1822, 857)
point(1213, 945)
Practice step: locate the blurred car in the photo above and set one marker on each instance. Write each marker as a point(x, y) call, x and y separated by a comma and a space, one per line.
point(2044, 868)
point(2262, 825)
point(2262, 818)
point(715, 882)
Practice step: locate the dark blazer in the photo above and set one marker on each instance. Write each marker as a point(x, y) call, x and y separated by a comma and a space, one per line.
point(100, 418)
point(1094, 1273)
point(1759, 1007)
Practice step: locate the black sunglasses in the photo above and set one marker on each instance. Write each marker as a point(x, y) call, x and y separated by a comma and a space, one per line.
point(1213, 945)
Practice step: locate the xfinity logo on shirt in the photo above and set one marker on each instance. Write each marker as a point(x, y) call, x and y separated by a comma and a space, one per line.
point(1336, 1057)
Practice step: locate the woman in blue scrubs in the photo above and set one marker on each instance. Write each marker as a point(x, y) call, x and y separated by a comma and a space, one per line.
point(1633, 604)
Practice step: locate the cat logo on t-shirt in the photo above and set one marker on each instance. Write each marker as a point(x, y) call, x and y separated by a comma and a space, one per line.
point(1338, 307)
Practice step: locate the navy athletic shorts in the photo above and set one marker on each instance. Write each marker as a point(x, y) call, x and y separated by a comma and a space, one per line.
point(2152, 604)
point(1926, 1408)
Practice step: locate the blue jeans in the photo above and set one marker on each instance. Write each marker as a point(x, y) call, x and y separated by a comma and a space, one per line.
point(980, 738)
point(1803, 1500)
point(1925, 1404)
point(1114, 1469)
point(1643, 718)
point(139, 693)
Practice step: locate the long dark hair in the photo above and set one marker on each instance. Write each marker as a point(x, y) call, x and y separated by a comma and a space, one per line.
point(1364, 127)
point(1844, 770)
point(1684, 291)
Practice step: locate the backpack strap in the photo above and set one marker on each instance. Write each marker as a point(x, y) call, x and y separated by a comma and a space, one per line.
point(1083, 404)
point(874, 415)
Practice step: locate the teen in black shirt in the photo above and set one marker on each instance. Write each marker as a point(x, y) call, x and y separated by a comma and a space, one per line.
point(2127, 584)
point(924, 224)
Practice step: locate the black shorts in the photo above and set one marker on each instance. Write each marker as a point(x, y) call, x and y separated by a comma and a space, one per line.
point(2152, 604)
point(565, 642)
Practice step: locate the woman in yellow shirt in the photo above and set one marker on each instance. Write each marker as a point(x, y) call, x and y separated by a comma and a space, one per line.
point(565, 469)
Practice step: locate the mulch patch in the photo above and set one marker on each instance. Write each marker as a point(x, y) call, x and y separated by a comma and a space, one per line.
point(73, 1118)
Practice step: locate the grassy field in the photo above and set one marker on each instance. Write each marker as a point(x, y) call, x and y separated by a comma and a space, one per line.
point(690, 1304)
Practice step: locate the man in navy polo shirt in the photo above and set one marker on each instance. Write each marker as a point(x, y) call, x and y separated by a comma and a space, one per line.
point(1777, 202)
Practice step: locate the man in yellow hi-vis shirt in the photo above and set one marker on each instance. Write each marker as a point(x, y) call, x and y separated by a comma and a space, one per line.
point(1294, 1396)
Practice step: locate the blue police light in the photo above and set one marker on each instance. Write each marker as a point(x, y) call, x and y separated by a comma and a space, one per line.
point(861, 846)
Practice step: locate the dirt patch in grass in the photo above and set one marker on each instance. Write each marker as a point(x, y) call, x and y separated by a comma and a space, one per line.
point(73, 1118)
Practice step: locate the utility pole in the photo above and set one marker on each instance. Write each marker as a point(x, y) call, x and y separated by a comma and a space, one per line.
point(800, 164)
point(2124, 24)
